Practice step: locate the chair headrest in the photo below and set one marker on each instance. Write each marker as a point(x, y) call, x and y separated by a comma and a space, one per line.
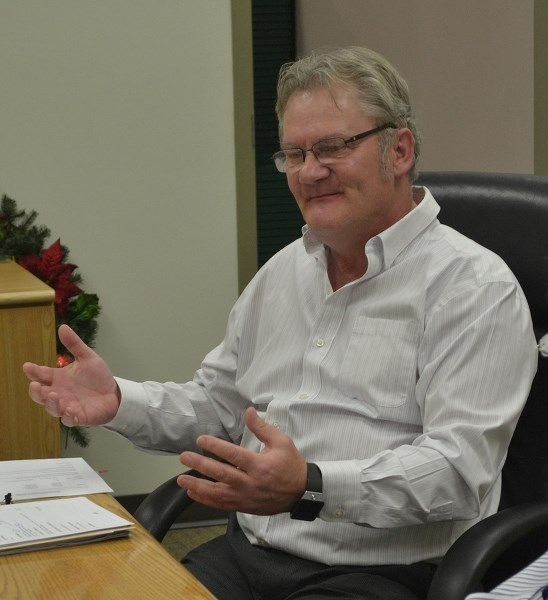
point(507, 213)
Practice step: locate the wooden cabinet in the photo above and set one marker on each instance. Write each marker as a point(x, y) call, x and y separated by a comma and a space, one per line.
point(27, 333)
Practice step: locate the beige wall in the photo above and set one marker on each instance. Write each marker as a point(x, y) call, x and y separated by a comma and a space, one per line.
point(541, 87)
point(469, 65)
point(117, 126)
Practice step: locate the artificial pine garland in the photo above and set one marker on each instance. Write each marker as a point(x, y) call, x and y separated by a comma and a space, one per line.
point(24, 241)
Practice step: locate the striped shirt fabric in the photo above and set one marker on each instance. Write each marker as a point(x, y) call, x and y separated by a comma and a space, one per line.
point(404, 387)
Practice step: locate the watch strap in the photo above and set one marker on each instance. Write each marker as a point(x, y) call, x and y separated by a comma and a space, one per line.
point(314, 482)
point(311, 502)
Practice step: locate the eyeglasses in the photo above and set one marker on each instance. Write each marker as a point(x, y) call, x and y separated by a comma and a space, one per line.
point(326, 150)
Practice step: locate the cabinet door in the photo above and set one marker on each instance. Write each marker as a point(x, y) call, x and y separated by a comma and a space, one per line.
point(27, 333)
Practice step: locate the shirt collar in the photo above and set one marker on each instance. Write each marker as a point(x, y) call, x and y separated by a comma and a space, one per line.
point(383, 249)
point(397, 237)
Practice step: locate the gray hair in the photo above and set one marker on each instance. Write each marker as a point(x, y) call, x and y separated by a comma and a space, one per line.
point(384, 94)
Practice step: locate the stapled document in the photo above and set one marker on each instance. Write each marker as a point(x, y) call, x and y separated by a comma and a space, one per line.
point(57, 523)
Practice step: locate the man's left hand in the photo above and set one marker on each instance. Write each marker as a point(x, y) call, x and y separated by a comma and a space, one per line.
point(264, 483)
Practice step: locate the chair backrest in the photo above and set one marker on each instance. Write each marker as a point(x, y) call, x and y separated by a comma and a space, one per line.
point(508, 213)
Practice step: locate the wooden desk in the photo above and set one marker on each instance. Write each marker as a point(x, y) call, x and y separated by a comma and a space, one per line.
point(134, 568)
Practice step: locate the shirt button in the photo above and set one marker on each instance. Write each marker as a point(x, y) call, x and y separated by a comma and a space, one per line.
point(276, 425)
point(320, 343)
point(339, 512)
point(303, 396)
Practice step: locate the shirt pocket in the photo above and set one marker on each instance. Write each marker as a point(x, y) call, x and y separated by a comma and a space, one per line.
point(380, 363)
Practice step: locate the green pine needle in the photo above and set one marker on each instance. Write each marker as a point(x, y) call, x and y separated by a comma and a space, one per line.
point(20, 237)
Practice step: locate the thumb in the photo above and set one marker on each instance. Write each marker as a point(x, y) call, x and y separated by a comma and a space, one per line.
point(263, 431)
point(73, 343)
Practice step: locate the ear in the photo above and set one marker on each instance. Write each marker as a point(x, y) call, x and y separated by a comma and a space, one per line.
point(403, 152)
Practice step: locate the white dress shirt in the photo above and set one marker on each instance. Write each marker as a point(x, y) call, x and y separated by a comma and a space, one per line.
point(404, 387)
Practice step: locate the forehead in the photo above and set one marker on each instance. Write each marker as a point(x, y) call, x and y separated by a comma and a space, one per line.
point(322, 111)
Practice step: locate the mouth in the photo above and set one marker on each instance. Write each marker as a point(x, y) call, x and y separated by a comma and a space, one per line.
point(323, 196)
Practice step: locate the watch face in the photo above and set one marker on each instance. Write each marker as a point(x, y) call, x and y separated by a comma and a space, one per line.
point(312, 497)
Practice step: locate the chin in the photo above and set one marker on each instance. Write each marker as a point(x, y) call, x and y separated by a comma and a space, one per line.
point(324, 216)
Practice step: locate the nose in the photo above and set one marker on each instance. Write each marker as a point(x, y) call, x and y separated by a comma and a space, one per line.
point(312, 169)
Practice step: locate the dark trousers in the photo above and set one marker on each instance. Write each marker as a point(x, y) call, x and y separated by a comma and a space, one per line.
point(233, 569)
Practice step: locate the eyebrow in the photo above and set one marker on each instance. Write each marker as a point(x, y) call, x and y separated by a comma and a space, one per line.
point(284, 146)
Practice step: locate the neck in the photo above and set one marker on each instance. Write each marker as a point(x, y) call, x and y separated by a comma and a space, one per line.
point(343, 269)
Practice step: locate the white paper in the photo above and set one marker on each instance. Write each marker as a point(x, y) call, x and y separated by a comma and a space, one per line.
point(59, 522)
point(48, 478)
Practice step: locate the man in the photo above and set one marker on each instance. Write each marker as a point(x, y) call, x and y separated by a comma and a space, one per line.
point(358, 412)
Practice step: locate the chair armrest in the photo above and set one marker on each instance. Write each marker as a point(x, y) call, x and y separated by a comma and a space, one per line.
point(158, 511)
point(491, 551)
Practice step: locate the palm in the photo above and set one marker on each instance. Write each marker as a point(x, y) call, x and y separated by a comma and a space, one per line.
point(82, 393)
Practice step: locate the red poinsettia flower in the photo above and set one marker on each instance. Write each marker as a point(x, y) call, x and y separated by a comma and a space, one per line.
point(49, 266)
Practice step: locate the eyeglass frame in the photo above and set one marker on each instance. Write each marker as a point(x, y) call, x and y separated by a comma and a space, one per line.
point(280, 155)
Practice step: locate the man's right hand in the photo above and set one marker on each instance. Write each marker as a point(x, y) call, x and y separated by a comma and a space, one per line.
point(82, 393)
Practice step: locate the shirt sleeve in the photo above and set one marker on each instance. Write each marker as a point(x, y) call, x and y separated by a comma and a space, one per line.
point(165, 417)
point(168, 417)
point(476, 363)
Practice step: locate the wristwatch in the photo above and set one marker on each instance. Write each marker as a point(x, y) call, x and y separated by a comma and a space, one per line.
point(311, 502)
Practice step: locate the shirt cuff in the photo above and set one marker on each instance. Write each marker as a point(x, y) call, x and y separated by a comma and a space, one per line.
point(341, 490)
point(133, 408)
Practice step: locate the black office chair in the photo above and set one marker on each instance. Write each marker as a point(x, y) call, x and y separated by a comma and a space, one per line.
point(509, 214)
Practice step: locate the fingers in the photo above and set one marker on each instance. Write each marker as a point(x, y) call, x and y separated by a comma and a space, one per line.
point(41, 374)
point(53, 407)
point(265, 482)
point(37, 392)
point(222, 492)
point(240, 457)
point(69, 419)
point(265, 433)
point(226, 451)
point(73, 343)
point(212, 468)
point(209, 493)
point(51, 404)
point(42, 394)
